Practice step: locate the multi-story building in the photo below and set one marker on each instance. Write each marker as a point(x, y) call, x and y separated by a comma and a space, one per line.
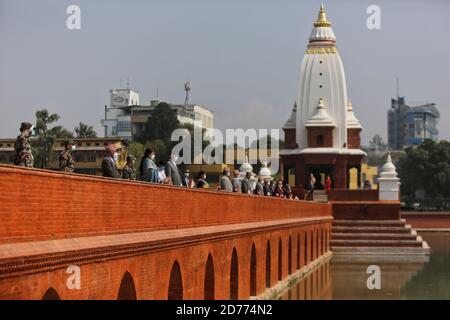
point(126, 117)
point(411, 125)
point(88, 155)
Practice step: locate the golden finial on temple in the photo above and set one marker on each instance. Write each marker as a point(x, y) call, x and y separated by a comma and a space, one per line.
point(322, 19)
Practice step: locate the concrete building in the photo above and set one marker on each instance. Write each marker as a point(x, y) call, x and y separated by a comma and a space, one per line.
point(322, 135)
point(411, 125)
point(126, 117)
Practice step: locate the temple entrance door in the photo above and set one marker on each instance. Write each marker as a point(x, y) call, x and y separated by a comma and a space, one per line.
point(320, 172)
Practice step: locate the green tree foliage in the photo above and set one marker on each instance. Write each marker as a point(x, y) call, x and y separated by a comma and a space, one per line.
point(136, 149)
point(160, 125)
point(46, 137)
point(85, 131)
point(426, 167)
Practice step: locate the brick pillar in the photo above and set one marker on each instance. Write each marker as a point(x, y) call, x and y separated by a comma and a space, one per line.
point(340, 179)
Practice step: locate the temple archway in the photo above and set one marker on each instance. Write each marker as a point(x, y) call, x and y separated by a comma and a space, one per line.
point(234, 276)
point(175, 291)
point(209, 285)
point(127, 290)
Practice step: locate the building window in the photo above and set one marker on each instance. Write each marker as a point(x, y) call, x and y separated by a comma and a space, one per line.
point(88, 144)
point(319, 140)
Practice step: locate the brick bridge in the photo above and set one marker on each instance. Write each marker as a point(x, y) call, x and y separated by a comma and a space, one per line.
point(134, 240)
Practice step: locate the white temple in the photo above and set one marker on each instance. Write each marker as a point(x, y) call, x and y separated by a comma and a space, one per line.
point(326, 136)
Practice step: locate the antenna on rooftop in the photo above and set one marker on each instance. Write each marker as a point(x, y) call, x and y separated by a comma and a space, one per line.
point(187, 88)
point(398, 88)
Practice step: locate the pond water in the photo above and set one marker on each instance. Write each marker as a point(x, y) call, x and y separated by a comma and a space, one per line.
point(426, 278)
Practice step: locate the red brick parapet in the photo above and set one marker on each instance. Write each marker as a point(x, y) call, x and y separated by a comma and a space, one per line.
point(427, 220)
point(42, 205)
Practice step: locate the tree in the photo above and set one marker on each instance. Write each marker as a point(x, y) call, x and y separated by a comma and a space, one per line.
point(377, 144)
point(426, 167)
point(160, 125)
point(85, 131)
point(136, 149)
point(46, 137)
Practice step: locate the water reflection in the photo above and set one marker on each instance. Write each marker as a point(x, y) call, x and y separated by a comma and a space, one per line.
point(401, 277)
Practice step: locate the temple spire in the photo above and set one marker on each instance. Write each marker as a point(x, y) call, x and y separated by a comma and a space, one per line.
point(322, 18)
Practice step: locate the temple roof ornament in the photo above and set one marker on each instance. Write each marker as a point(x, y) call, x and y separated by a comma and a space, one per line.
point(322, 18)
point(388, 170)
point(352, 121)
point(291, 122)
point(246, 166)
point(321, 117)
point(265, 172)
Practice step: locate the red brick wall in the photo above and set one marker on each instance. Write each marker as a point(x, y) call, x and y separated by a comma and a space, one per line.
point(314, 132)
point(353, 138)
point(427, 220)
point(366, 210)
point(39, 205)
point(352, 195)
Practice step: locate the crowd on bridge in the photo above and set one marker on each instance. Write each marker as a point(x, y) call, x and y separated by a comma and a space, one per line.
point(163, 173)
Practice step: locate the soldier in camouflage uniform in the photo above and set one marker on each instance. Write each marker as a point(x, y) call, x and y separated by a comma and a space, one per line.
point(128, 171)
point(24, 155)
point(66, 162)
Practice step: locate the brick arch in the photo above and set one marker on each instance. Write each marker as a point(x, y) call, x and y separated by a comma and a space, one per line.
point(51, 294)
point(209, 284)
point(280, 260)
point(127, 290)
point(268, 268)
point(234, 276)
point(253, 270)
point(175, 291)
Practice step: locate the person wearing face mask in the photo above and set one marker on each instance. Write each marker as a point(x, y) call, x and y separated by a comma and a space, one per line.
point(66, 162)
point(225, 183)
point(201, 183)
point(109, 166)
point(128, 171)
point(148, 169)
point(173, 175)
point(24, 155)
point(186, 178)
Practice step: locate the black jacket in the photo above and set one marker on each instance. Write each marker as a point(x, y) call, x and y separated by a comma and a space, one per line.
point(109, 168)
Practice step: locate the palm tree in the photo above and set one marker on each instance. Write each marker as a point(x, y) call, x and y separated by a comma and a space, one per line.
point(85, 131)
point(46, 137)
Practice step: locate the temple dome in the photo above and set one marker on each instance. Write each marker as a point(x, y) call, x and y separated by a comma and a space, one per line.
point(265, 171)
point(246, 166)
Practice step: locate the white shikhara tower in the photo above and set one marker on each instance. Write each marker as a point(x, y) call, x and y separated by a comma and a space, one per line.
point(322, 76)
point(322, 135)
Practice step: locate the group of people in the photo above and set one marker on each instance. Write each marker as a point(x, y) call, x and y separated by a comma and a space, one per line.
point(149, 171)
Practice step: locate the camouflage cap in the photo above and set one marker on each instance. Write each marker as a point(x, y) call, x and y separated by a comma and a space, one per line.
point(25, 126)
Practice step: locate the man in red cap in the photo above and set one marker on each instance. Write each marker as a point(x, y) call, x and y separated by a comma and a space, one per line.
point(109, 167)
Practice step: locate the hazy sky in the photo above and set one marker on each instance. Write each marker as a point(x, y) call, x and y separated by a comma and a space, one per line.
point(242, 57)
